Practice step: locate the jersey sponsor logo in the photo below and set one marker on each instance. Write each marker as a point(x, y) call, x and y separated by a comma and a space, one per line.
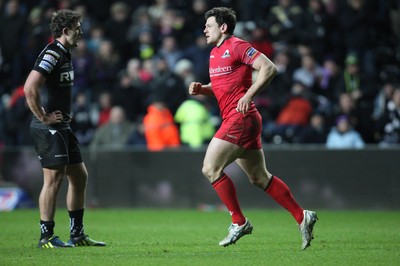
point(219, 71)
point(226, 54)
point(65, 65)
point(46, 66)
point(60, 155)
point(56, 55)
point(51, 59)
point(212, 56)
point(67, 76)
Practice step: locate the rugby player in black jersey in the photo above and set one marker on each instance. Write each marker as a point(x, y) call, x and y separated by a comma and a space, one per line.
point(48, 91)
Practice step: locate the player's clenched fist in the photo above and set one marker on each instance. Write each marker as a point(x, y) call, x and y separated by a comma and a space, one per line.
point(195, 88)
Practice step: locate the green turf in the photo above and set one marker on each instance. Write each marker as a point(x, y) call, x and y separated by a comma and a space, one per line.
point(190, 237)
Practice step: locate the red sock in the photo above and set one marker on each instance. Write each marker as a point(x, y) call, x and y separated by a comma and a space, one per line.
point(280, 192)
point(227, 193)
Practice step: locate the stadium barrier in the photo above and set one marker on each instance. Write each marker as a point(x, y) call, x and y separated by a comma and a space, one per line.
point(318, 178)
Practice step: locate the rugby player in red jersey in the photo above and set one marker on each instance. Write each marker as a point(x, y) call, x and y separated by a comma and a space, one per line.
point(232, 61)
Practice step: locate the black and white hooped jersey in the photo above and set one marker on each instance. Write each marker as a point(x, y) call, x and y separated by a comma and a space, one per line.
point(55, 63)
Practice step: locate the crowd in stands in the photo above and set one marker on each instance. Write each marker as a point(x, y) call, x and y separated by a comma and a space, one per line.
point(338, 61)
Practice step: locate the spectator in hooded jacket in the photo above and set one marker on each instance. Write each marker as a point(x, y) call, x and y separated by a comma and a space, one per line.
point(160, 130)
point(343, 136)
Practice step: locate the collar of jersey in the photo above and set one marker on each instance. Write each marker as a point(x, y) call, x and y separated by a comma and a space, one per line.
point(62, 47)
point(227, 38)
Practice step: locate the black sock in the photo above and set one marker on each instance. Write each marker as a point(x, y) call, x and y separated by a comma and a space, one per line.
point(76, 223)
point(46, 229)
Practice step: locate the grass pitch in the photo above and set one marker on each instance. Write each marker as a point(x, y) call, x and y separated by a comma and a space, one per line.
point(190, 237)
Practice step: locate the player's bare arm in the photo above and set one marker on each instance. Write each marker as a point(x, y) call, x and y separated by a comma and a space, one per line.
point(196, 88)
point(266, 72)
point(32, 87)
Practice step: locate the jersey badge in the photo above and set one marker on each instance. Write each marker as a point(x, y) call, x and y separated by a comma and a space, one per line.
point(55, 54)
point(49, 58)
point(250, 52)
point(226, 54)
point(46, 66)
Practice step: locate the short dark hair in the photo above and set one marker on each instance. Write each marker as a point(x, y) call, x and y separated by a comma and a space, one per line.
point(223, 15)
point(63, 18)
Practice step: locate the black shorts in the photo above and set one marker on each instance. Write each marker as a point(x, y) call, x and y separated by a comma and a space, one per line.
point(56, 147)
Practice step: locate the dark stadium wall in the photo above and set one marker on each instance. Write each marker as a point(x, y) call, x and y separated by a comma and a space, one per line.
point(318, 178)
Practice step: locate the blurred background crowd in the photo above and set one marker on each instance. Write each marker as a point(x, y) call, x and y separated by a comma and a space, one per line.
point(338, 61)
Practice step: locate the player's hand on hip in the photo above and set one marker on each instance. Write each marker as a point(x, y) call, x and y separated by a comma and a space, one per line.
point(52, 118)
point(195, 88)
point(243, 104)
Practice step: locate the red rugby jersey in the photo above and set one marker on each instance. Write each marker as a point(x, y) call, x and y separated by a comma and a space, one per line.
point(231, 73)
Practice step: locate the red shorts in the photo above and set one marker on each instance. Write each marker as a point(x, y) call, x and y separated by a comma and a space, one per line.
point(242, 130)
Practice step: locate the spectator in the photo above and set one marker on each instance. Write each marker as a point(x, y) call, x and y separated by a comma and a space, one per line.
point(160, 130)
point(198, 52)
point(37, 35)
point(382, 99)
point(81, 122)
point(195, 18)
point(12, 28)
point(298, 109)
point(316, 132)
point(142, 34)
point(330, 74)
point(309, 73)
point(140, 21)
point(282, 22)
point(184, 69)
point(395, 18)
point(145, 46)
point(343, 136)
point(95, 38)
point(170, 51)
point(82, 59)
point(271, 101)
point(167, 86)
point(354, 81)
point(104, 109)
point(115, 133)
point(348, 107)
point(362, 90)
point(107, 63)
point(157, 9)
point(172, 23)
point(196, 127)
point(391, 121)
point(293, 117)
point(260, 41)
point(315, 26)
point(116, 28)
point(17, 119)
point(356, 22)
point(128, 91)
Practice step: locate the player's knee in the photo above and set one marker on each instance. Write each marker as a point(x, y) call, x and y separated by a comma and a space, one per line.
point(259, 181)
point(210, 173)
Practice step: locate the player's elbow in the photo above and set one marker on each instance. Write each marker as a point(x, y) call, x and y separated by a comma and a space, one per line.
point(272, 70)
point(28, 91)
